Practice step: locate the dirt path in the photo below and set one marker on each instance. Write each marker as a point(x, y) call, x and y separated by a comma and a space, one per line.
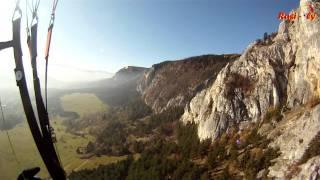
point(67, 166)
point(82, 164)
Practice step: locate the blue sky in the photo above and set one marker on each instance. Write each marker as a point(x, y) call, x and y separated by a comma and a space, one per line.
point(109, 34)
point(114, 33)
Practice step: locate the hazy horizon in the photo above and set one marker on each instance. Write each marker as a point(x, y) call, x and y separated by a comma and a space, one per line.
point(104, 36)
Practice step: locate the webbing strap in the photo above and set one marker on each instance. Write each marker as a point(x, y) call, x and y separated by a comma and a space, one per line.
point(41, 109)
point(47, 153)
point(4, 45)
point(51, 163)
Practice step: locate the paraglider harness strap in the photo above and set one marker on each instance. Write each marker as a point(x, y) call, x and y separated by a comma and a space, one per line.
point(19, 75)
point(5, 45)
point(8, 44)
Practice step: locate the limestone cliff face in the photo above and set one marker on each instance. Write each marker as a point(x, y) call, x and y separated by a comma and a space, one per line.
point(283, 69)
point(293, 135)
point(309, 170)
point(129, 73)
point(174, 83)
point(244, 90)
point(304, 76)
point(118, 89)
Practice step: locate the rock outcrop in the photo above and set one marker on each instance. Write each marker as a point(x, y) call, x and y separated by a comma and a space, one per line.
point(283, 71)
point(309, 170)
point(119, 89)
point(244, 90)
point(304, 76)
point(293, 136)
point(174, 83)
point(129, 73)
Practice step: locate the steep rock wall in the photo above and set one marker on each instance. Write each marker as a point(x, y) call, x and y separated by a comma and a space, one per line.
point(282, 70)
point(174, 83)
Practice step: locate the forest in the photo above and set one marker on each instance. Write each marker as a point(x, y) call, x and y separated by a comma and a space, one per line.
point(183, 156)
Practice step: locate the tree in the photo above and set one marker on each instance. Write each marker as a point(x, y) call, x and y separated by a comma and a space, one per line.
point(265, 36)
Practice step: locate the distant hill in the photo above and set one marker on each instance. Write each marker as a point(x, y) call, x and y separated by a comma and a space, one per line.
point(119, 88)
point(174, 83)
point(121, 77)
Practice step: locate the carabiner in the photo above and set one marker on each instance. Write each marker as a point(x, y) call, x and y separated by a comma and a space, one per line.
point(17, 9)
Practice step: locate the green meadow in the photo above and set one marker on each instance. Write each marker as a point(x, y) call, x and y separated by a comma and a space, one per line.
point(83, 103)
point(67, 144)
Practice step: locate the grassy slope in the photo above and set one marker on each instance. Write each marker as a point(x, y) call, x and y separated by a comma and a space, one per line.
point(25, 150)
point(83, 103)
point(67, 143)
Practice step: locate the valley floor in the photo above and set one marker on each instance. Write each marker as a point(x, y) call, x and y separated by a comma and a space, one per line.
point(67, 145)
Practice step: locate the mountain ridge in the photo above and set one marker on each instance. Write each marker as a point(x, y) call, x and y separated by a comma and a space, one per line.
point(254, 115)
point(280, 72)
point(173, 83)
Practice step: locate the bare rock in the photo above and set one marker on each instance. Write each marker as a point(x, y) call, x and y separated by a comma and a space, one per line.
point(285, 72)
point(297, 130)
point(261, 174)
point(242, 91)
point(310, 170)
point(175, 83)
